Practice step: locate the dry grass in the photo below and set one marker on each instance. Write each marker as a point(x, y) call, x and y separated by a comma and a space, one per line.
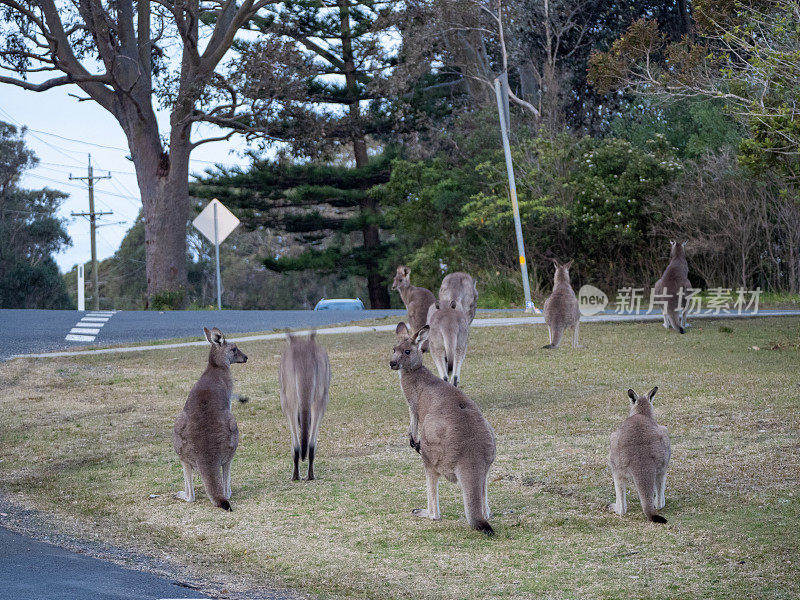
point(88, 439)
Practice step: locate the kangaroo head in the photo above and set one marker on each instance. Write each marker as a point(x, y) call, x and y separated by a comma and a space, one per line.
point(642, 405)
point(677, 249)
point(222, 353)
point(402, 278)
point(562, 271)
point(406, 355)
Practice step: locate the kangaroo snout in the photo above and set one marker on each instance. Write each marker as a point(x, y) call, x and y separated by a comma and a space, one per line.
point(393, 365)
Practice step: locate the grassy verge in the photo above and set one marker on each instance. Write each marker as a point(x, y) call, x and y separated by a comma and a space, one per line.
point(88, 439)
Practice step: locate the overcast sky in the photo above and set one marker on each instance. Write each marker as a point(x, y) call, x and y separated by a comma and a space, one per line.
point(90, 129)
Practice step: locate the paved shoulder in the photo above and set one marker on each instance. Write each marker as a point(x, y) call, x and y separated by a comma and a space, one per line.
point(32, 570)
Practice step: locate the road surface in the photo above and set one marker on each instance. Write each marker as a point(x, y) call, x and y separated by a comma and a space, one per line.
point(31, 331)
point(31, 570)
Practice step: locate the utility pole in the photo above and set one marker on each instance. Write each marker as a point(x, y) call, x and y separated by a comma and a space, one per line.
point(90, 179)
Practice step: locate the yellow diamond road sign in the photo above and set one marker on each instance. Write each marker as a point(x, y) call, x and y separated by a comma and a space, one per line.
point(226, 221)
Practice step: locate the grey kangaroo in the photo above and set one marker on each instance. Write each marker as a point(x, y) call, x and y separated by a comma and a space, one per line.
point(417, 299)
point(640, 452)
point(449, 334)
point(448, 430)
point(205, 435)
point(462, 288)
point(673, 288)
point(561, 308)
point(305, 379)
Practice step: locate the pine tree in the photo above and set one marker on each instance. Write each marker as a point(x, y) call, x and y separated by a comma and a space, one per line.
point(331, 73)
point(316, 206)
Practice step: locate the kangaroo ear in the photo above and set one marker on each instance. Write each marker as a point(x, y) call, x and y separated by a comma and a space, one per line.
point(437, 305)
point(422, 334)
point(684, 243)
point(453, 304)
point(569, 264)
point(652, 393)
point(406, 271)
point(208, 334)
point(401, 330)
point(632, 395)
point(672, 243)
point(555, 262)
point(215, 336)
point(312, 336)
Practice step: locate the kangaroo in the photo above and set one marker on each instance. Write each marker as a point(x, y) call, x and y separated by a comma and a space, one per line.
point(305, 378)
point(462, 288)
point(205, 435)
point(673, 287)
point(417, 299)
point(447, 429)
point(561, 308)
point(449, 333)
point(640, 451)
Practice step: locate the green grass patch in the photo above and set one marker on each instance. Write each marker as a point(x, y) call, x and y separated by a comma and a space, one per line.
point(88, 440)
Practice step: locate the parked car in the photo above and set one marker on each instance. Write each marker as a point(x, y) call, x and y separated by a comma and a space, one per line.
point(340, 304)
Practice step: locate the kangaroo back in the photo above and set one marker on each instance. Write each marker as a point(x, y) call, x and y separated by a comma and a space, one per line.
point(305, 382)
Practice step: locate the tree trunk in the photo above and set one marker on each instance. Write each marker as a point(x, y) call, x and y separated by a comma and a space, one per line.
point(164, 185)
point(376, 286)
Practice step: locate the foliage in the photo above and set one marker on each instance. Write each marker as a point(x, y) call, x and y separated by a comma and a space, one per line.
point(30, 232)
point(578, 197)
point(169, 300)
point(745, 54)
point(318, 210)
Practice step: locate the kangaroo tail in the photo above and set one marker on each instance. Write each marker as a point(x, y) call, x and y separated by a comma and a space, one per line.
point(646, 490)
point(672, 317)
point(449, 352)
point(212, 481)
point(474, 504)
point(558, 333)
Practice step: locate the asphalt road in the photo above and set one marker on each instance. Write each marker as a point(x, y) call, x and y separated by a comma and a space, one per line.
point(31, 331)
point(31, 570)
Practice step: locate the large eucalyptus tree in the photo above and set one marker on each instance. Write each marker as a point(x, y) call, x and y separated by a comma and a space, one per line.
point(129, 56)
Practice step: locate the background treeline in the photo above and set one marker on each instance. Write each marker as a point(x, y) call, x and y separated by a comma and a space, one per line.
point(395, 154)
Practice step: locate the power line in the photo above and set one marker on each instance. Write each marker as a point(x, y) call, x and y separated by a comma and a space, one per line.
point(42, 177)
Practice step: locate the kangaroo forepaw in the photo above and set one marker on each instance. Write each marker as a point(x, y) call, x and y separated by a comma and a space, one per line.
point(413, 443)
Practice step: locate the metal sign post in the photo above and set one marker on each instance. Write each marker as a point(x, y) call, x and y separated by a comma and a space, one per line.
point(501, 92)
point(216, 223)
point(216, 252)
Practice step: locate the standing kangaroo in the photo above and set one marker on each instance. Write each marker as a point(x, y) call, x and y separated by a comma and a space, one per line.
point(673, 288)
point(462, 288)
point(417, 299)
point(205, 435)
point(305, 379)
point(640, 451)
point(449, 334)
point(447, 429)
point(561, 308)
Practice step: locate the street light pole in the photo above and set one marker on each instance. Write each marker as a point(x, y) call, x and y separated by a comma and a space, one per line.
point(501, 92)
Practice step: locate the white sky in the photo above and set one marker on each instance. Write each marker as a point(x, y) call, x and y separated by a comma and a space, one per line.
point(57, 113)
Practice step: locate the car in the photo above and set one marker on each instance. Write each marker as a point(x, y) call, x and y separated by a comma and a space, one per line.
point(340, 304)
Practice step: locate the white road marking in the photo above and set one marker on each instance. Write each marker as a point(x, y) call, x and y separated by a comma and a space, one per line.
point(79, 338)
point(87, 329)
